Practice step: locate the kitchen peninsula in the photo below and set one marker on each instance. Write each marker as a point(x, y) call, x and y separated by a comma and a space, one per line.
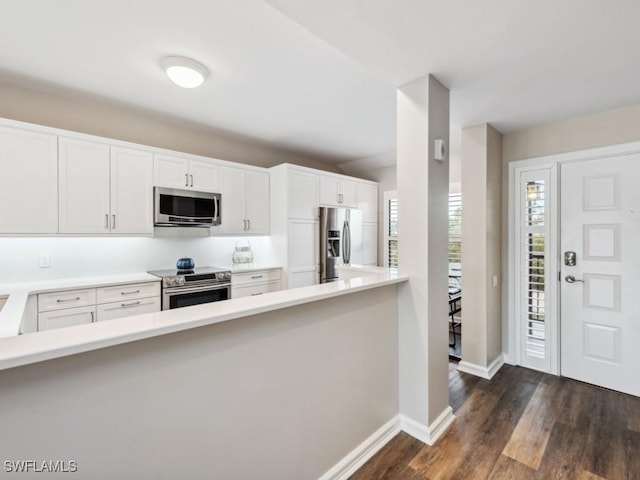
point(322, 361)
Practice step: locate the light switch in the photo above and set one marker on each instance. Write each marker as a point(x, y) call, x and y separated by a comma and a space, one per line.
point(495, 281)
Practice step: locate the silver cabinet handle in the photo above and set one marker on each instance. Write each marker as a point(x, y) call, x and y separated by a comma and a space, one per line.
point(63, 300)
point(248, 224)
point(113, 221)
point(93, 317)
point(132, 304)
point(106, 220)
point(191, 179)
point(130, 293)
point(255, 294)
point(256, 276)
point(186, 179)
point(244, 225)
point(572, 279)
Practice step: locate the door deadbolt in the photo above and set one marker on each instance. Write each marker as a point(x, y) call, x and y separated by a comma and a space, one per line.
point(570, 259)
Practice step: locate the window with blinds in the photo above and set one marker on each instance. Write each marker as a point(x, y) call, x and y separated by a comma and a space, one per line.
point(455, 231)
point(391, 230)
point(534, 251)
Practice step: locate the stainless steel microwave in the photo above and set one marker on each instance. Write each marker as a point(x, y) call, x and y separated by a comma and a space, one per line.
point(185, 208)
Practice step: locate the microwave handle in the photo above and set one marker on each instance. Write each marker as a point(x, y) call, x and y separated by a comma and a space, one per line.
point(216, 205)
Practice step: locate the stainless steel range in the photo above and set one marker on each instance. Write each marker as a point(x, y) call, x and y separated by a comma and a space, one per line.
point(182, 288)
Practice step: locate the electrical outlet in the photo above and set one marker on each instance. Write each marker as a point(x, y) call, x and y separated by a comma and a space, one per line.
point(45, 261)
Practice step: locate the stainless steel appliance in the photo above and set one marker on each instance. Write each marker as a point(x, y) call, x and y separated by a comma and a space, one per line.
point(339, 227)
point(182, 288)
point(185, 208)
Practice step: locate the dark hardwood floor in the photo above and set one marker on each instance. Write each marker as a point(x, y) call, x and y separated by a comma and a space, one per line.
point(522, 424)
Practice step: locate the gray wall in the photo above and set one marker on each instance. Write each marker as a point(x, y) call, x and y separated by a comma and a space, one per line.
point(44, 105)
point(282, 395)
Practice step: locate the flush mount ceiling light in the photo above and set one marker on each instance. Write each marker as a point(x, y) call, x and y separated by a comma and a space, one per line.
point(184, 72)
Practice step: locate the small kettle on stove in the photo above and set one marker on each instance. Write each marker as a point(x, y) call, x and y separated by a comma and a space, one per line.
point(185, 263)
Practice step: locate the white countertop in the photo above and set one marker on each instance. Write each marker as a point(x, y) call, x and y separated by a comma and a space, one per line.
point(250, 267)
point(18, 293)
point(40, 346)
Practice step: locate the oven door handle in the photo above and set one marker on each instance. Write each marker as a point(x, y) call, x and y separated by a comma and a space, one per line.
point(202, 288)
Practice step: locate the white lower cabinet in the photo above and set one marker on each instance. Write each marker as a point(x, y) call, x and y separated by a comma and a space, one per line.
point(251, 284)
point(303, 278)
point(68, 317)
point(129, 308)
point(68, 308)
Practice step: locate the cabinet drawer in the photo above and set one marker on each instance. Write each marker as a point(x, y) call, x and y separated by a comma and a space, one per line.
point(66, 318)
point(253, 290)
point(127, 308)
point(67, 299)
point(128, 292)
point(261, 276)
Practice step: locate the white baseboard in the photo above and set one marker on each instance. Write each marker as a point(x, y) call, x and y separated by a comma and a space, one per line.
point(427, 434)
point(363, 452)
point(480, 371)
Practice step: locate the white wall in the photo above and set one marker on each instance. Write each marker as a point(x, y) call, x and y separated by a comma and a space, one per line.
point(83, 256)
point(283, 395)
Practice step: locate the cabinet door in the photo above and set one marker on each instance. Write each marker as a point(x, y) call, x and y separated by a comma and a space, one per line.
point(368, 202)
point(66, 318)
point(127, 308)
point(84, 186)
point(28, 182)
point(329, 191)
point(171, 172)
point(233, 201)
point(303, 244)
point(257, 189)
point(303, 278)
point(204, 176)
point(303, 196)
point(348, 194)
point(131, 191)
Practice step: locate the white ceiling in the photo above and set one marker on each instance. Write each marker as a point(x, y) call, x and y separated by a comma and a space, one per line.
point(320, 75)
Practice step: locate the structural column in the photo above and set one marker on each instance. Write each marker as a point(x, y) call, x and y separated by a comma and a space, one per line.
point(423, 184)
point(481, 250)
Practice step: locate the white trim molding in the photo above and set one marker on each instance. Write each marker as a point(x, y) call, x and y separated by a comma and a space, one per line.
point(480, 371)
point(428, 434)
point(363, 452)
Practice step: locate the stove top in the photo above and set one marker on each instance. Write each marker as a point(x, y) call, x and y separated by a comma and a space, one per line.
point(197, 276)
point(186, 273)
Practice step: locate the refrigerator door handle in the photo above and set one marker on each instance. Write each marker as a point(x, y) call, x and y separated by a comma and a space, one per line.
point(346, 243)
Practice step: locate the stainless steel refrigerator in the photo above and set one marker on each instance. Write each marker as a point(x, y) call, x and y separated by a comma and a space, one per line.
point(340, 240)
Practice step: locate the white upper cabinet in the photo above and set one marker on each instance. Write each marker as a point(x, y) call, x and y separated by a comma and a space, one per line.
point(368, 202)
point(245, 201)
point(104, 190)
point(185, 174)
point(303, 195)
point(84, 186)
point(337, 192)
point(258, 204)
point(28, 182)
point(131, 191)
point(233, 203)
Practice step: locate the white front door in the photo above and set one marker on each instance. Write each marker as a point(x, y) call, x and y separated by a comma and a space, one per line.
point(600, 294)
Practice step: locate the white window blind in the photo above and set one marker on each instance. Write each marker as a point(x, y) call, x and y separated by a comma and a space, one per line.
point(391, 229)
point(455, 230)
point(534, 252)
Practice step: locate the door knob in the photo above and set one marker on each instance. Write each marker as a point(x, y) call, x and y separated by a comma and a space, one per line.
point(572, 279)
